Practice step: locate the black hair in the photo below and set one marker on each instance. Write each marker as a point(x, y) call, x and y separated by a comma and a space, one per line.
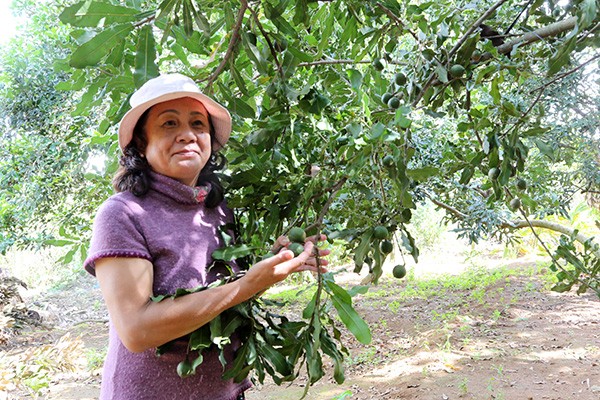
point(133, 174)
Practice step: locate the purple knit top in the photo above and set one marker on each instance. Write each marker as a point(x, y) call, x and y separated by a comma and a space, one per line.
point(169, 227)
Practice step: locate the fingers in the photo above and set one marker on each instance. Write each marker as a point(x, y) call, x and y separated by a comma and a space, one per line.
point(281, 242)
point(316, 238)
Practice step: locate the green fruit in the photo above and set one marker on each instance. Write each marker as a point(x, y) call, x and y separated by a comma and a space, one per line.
point(386, 246)
point(268, 255)
point(297, 235)
point(394, 102)
point(378, 64)
point(400, 79)
point(297, 248)
point(493, 173)
point(457, 70)
point(388, 161)
point(386, 97)
point(514, 204)
point(521, 184)
point(476, 56)
point(399, 271)
point(380, 232)
point(185, 368)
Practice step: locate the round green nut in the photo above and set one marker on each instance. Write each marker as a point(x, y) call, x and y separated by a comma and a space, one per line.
point(386, 97)
point(393, 102)
point(399, 271)
point(400, 79)
point(297, 235)
point(514, 204)
point(457, 70)
point(522, 184)
point(185, 368)
point(268, 255)
point(296, 248)
point(386, 247)
point(380, 232)
point(493, 173)
point(378, 64)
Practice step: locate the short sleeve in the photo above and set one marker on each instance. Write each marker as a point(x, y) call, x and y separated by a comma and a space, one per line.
point(116, 233)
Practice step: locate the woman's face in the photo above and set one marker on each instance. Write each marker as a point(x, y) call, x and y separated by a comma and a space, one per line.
point(178, 136)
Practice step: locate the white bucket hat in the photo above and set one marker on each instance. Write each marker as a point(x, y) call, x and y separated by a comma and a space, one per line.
point(171, 87)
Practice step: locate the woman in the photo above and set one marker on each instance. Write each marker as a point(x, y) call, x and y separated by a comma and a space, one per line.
point(157, 234)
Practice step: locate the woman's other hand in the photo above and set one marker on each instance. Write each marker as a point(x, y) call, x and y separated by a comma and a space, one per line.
point(270, 271)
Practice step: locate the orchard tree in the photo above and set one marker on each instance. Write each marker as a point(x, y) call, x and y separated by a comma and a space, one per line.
point(349, 114)
point(44, 140)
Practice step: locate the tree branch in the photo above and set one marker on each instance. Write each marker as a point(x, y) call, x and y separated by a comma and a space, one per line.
point(553, 226)
point(271, 48)
point(457, 46)
point(524, 223)
point(447, 207)
point(332, 62)
point(559, 77)
point(539, 34)
point(235, 36)
point(333, 191)
point(397, 20)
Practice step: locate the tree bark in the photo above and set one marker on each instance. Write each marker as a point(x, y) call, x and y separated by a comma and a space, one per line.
point(539, 34)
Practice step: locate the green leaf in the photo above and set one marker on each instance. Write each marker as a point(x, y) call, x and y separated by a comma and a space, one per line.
point(166, 7)
point(441, 73)
point(200, 338)
point(232, 252)
point(361, 250)
point(421, 174)
point(239, 107)
point(356, 79)
point(93, 51)
point(562, 56)
point(343, 304)
point(91, 13)
point(58, 242)
point(275, 358)
point(588, 13)
point(145, 56)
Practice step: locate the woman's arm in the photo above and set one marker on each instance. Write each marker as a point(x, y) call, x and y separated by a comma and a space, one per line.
point(141, 324)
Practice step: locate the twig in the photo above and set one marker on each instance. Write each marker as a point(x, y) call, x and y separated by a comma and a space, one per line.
point(144, 21)
point(397, 20)
point(447, 207)
point(235, 36)
point(333, 191)
point(522, 117)
point(266, 36)
point(554, 260)
point(564, 74)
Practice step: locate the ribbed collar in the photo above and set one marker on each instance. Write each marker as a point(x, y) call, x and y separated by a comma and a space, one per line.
point(177, 191)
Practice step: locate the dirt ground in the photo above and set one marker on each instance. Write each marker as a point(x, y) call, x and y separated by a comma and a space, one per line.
point(519, 341)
